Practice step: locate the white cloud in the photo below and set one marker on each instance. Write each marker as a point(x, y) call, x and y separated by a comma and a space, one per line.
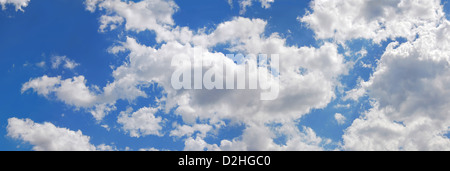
point(186, 130)
point(48, 137)
point(198, 144)
point(247, 3)
point(340, 119)
point(63, 60)
point(41, 64)
point(410, 110)
point(408, 87)
point(235, 30)
point(141, 123)
point(230, 2)
point(299, 92)
point(377, 131)
point(342, 106)
point(155, 15)
point(356, 93)
point(111, 21)
point(72, 91)
point(104, 147)
point(17, 3)
point(261, 138)
point(106, 127)
point(100, 110)
point(146, 65)
point(91, 5)
point(266, 3)
point(371, 19)
point(43, 85)
point(148, 149)
point(149, 65)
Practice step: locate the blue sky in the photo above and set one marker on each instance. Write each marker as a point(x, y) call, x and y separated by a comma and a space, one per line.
point(31, 40)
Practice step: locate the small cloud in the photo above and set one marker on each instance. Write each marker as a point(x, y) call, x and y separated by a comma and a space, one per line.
point(342, 106)
point(17, 3)
point(148, 149)
point(41, 64)
point(339, 118)
point(230, 2)
point(362, 53)
point(364, 65)
point(106, 127)
point(67, 63)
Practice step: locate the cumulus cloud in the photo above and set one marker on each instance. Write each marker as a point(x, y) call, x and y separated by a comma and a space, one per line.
point(72, 91)
point(91, 5)
point(377, 20)
point(155, 15)
point(376, 130)
point(261, 137)
point(48, 137)
point(233, 31)
point(148, 149)
point(302, 69)
point(141, 123)
point(17, 3)
point(198, 144)
point(408, 88)
point(410, 110)
point(110, 21)
point(43, 85)
point(340, 119)
point(186, 130)
point(148, 65)
point(407, 84)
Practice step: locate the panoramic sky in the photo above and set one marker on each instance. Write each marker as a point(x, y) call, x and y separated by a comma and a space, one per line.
point(99, 75)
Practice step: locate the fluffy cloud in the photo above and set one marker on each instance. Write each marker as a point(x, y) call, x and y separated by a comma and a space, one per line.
point(261, 137)
point(154, 15)
point(72, 91)
point(186, 130)
point(48, 137)
point(302, 69)
point(376, 130)
point(141, 123)
point(407, 89)
point(17, 3)
point(110, 21)
point(43, 85)
point(410, 110)
point(340, 119)
point(371, 19)
point(198, 144)
point(149, 65)
point(233, 32)
point(91, 5)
